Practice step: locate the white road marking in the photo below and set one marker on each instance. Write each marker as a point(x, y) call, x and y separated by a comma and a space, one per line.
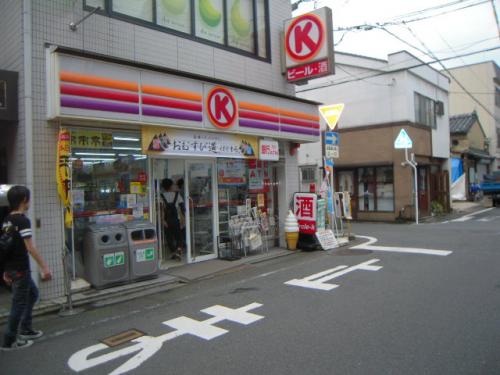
point(147, 346)
point(410, 250)
point(319, 280)
point(471, 215)
point(488, 219)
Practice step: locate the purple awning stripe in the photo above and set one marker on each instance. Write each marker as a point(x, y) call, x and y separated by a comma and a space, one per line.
point(98, 105)
point(297, 130)
point(170, 113)
point(258, 124)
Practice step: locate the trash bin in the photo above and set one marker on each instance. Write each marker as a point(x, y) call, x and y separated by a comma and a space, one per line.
point(143, 249)
point(105, 251)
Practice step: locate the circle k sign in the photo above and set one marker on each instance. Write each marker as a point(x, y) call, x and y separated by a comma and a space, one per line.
point(221, 107)
point(304, 37)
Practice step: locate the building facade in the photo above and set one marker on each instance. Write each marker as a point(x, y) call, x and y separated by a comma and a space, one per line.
point(381, 98)
point(482, 95)
point(469, 145)
point(140, 92)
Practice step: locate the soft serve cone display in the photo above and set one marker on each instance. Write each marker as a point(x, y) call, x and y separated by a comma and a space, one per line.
point(291, 231)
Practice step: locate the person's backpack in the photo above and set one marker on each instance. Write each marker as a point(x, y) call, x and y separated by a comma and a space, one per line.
point(7, 243)
point(171, 214)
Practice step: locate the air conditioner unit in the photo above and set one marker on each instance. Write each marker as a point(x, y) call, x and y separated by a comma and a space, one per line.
point(439, 108)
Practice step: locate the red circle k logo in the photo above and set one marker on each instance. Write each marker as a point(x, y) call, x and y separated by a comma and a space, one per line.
point(305, 37)
point(221, 107)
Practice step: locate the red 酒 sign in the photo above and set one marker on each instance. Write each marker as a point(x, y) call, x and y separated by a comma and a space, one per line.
point(303, 72)
point(304, 206)
point(304, 37)
point(221, 107)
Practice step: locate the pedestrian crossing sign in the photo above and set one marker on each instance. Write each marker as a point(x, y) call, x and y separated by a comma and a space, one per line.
point(403, 140)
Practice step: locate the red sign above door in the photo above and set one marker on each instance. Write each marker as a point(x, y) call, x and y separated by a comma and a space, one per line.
point(221, 107)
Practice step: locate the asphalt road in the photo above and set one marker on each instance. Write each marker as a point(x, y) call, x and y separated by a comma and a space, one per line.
point(417, 314)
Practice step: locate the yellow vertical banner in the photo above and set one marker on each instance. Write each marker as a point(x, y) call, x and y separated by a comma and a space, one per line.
point(63, 174)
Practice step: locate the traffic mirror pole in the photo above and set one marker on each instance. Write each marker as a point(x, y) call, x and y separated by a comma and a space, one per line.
point(412, 163)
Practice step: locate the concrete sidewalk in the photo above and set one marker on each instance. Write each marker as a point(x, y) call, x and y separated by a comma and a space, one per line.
point(168, 279)
point(459, 208)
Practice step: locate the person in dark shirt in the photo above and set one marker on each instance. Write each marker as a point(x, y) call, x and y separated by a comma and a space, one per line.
point(17, 273)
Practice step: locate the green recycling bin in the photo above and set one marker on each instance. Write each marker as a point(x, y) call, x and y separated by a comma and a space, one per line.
point(142, 249)
point(105, 254)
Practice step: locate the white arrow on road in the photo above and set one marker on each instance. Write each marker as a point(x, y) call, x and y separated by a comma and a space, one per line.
point(319, 280)
point(410, 250)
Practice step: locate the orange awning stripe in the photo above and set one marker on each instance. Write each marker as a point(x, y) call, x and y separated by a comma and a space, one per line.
point(98, 81)
point(277, 111)
point(172, 93)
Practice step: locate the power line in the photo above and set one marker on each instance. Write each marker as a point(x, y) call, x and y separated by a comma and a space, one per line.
point(363, 79)
point(368, 27)
point(332, 83)
point(430, 54)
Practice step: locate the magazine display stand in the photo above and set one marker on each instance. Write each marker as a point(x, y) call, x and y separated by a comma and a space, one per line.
point(247, 234)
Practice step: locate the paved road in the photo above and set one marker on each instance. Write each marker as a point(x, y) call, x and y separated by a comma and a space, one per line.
point(417, 314)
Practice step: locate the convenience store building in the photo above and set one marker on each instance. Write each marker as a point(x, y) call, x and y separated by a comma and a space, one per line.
point(143, 101)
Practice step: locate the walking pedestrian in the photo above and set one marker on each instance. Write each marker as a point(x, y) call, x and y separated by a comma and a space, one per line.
point(20, 333)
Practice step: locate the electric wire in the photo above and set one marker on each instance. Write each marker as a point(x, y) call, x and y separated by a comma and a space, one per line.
point(381, 73)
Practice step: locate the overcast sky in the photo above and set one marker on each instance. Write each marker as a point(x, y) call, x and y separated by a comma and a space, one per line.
point(457, 32)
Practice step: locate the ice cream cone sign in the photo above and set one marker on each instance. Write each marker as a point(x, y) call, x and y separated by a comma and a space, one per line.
point(291, 231)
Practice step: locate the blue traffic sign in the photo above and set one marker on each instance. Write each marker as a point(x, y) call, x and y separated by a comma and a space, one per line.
point(332, 138)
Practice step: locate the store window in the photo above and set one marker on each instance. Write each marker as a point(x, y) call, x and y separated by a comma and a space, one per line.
point(308, 174)
point(385, 189)
point(109, 179)
point(240, 28)
point(175, 15)
point(245, 184)
point(425, 112)
point(142, 9)
point(376, 189)
point(366, 189)
point(237, 25)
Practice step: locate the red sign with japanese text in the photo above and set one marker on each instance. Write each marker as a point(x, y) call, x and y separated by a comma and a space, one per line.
point(313, 70)
point(221, 107)
point(305, 207)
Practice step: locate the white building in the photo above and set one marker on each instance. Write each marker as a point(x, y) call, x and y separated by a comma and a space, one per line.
point(382, 97)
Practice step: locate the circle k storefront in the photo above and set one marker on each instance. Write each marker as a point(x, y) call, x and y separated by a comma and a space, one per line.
point(226, 149)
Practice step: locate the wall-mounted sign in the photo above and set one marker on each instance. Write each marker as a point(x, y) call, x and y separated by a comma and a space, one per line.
point(221, 107)
point(231, 172)
point(269, 150)
point(91, 139)
point(167, 141)
point(309, 45)
point(307, 71)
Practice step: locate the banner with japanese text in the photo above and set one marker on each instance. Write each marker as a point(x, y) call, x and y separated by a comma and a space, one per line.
point(167, 141)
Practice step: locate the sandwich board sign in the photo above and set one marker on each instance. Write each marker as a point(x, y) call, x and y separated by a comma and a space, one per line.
point(403, 140)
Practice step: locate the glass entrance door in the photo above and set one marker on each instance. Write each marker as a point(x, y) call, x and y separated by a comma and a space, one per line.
point(200, 183)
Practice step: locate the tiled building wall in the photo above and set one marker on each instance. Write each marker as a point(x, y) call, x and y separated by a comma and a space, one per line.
point(115, 38)
point(11, 58)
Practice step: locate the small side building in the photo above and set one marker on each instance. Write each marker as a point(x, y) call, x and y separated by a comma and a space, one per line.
point(469, 143)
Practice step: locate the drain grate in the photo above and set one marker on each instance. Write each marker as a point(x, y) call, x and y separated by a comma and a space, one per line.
point(122, 338)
